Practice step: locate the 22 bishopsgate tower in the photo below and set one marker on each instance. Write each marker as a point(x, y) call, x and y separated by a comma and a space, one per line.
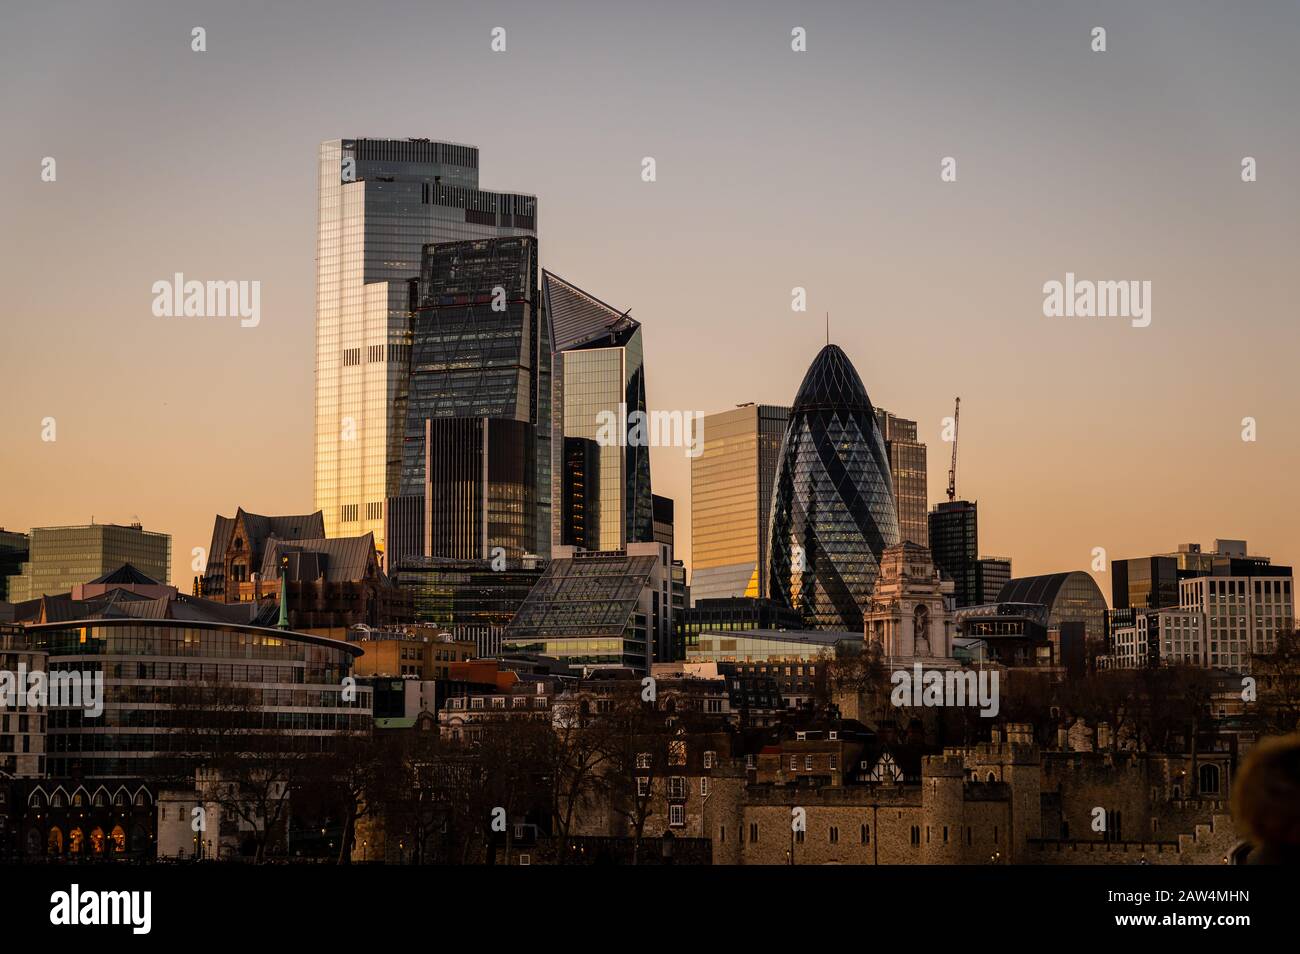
point(380, 202)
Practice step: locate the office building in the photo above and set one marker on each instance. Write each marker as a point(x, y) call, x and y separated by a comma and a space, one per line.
point(22, 719)
point(597, 609)
point(415, 653)
point(679, 593)
point(833, 508)
point(1146, 583)
point(1070, 598)
point(164, 658)
point(733, 614)
point(907, 471)
point(991, 574)
point(476, 456)
point(602, 498)
point(954, 541)
point(471, 599)
point(61, 557)
point(1006, 634)
point(380, 201)
point(14, 550)
point(1241, 617)
point(731, 501)
point(1155, 637)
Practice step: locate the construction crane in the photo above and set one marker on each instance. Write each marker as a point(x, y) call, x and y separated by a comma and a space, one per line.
point(952, 471)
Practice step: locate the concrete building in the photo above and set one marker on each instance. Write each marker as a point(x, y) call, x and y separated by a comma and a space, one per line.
point(1170, 637)
point(1240, 617)
point(22, 718)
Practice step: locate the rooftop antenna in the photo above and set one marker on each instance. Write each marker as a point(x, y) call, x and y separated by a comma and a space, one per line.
point(828, 328)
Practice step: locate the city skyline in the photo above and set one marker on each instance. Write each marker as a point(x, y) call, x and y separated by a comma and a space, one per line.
point(1076, 434)
point(585, 434)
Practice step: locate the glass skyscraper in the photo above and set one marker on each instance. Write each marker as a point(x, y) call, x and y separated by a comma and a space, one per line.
point(907, 471)
point(731, 500)
point(833, 508)
point(476, 455)
point(954, 541)
point(380, 201)
point(598, 370)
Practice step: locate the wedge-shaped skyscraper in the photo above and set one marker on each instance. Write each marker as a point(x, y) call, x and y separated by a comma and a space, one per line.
point(833, 508)
point(601, 487)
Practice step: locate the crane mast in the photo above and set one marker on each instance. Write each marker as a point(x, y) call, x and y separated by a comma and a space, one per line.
point(952, 470)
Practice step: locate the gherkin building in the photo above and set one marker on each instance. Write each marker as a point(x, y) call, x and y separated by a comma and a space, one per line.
point(833, 502)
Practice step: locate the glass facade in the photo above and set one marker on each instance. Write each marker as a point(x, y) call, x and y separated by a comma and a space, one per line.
point(732, 614)
point(993, 574)
point(594, 609)
point(457, 593)
point(61, 557)
point(731, 498)
point(954, 542)
point(1069, 598)
point(1147, 583)
point(833, 508)
point(907, 471)
point(290, 684)
point(380, 201)
point(768, 646)
point(14, 552)
point(477, 445)
point(599, 370)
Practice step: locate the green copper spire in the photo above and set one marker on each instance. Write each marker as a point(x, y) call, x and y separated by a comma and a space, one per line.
point(284, 593)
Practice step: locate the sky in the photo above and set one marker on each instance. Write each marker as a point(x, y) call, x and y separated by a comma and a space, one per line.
point(775, 169)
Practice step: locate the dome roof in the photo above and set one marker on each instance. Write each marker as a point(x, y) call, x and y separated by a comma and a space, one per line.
point(832, 383)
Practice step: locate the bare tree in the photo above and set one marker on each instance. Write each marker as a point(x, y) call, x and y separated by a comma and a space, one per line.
point(1278, 686)
point(578, 753)
point(641, 749)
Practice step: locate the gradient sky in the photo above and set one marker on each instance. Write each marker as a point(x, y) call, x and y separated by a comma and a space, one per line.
point(775, 169)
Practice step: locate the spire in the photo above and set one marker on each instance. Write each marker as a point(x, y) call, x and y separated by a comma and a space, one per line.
point(284, 594)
